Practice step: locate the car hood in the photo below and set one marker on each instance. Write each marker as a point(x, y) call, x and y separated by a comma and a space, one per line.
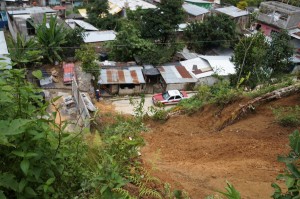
point(158, 97)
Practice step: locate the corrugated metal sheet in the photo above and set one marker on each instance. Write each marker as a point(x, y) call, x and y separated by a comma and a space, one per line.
point(176, 74)
point(83, 13)
point(113, 8)
point(3, 45)
point(220, 64)
point(198, 1)
point(99, 36)
point(31, 10)
point(198, 67)
point(232, 11)
point(295, 33)
point(131, 75)
point(194, 10)
point(133, 4)
point(85, 25)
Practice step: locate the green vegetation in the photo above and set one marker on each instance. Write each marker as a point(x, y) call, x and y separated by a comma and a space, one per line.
point(287, 116)
point(292, 174)
point(51, 38)
point(257, 61)
point(231, 193)
point(41, 160)
point(269, 87)
point(215, 31)
point(23, 52)
point(220, 94)
point(87, 55)
point(159, 112)
point(74, 39)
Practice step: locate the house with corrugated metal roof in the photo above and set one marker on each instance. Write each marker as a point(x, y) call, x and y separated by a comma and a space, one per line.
point(241, 17)
point(176, 77)
point(23, 20)
point(204, 67)
point(121, 80)
point(195, 13)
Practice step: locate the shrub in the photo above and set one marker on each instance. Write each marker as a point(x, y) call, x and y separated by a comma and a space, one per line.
point(270, 87)
point(287, 116)
point(158, 112)
point(191, 105)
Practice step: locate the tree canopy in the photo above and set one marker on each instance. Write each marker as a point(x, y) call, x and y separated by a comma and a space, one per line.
point(99, 16)
point(215, 31)
point(257, 59)
point(159, 24)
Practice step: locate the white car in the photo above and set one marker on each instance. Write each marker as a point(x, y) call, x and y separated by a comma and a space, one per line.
point(169, 97)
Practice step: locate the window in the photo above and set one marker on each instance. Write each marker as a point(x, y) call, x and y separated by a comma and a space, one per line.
point(165, 95)
point(171, 98)
point(177, 97)
point(127, 86)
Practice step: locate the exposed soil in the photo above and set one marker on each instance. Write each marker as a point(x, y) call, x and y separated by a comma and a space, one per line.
point(190, 154)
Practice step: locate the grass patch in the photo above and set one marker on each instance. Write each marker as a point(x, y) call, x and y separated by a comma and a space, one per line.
point(287, 116)
point(270, 87)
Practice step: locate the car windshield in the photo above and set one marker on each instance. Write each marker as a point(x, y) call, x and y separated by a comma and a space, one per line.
point(165, 95)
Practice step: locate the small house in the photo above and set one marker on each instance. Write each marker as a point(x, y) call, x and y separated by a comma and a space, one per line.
point(274, 16)
point(122, 81)
point(241, 17)
point(176, 77)
point(194, 13)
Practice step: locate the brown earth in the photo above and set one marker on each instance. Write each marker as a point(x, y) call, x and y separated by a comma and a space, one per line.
point(190, 154)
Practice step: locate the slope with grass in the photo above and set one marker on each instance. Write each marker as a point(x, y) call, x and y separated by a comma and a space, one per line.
point(190, 153)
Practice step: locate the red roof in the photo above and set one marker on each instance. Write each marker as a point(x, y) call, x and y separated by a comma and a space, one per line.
point(59, 8)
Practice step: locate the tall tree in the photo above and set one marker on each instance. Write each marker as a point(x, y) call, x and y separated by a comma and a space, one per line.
point(280, 51)
point(74, 39)
point(215, 31)
point(23, 52)
point(250, 60)
point(159, 24)
point(99, 16)
point(128, 43)
point(51, 38)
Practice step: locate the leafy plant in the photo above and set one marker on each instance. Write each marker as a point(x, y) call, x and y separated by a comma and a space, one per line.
point(51, 36)
point(87, 55)
point(37, 158)
point(287, 116)
point(292, 173)
point(23, 52)
point(158, 112)
point(231, 193)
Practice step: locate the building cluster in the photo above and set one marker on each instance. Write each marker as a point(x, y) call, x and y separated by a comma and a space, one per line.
point(22, 16)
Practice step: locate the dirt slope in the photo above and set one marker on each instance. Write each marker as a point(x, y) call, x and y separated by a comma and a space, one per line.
point(189, 153)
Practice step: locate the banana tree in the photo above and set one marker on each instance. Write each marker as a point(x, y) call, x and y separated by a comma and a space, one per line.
point(51, 36)
point(23, 52)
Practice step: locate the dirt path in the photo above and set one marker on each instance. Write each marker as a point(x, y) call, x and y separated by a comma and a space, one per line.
point(189, 153)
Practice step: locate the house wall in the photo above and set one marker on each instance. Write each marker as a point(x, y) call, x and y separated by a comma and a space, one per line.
point(207, 81)
point(266, 29)
point(192, 18)
point(128, 91)
point(179, 86)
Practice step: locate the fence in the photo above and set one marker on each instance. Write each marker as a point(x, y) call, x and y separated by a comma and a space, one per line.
point(81, 106)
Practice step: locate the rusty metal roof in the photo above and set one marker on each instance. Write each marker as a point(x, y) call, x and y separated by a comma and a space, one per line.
point(130, 75)
point(173, 74)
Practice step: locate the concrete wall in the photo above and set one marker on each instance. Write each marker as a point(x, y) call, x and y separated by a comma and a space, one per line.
point(266, 29)
point(128, 91)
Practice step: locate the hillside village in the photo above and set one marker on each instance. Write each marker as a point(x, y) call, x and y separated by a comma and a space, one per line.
point(86, 74)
